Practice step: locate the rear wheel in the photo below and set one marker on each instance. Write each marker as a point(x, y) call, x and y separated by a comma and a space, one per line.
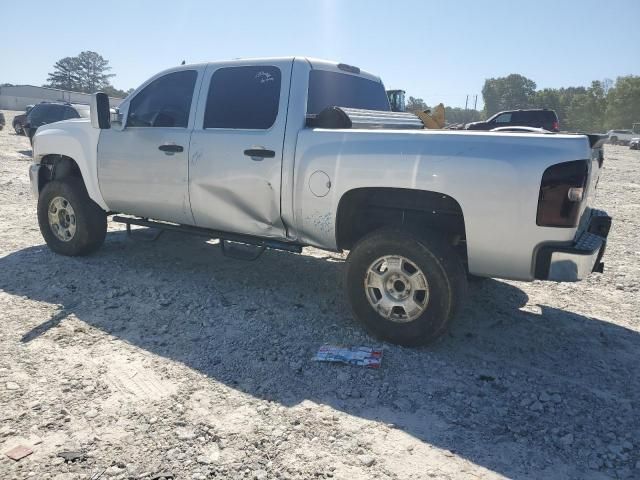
point(614, 140)
point(405, 288)
point(70, 222)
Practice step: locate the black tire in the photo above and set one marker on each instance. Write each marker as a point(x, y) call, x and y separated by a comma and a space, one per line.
point(89, 219)
point(17, 128)
point(441, 266)
point(614, 140)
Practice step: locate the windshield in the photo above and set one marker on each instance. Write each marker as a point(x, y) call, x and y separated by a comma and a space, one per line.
point(333, 89)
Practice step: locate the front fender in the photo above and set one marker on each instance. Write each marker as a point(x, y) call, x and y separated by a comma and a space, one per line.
point(75, 139)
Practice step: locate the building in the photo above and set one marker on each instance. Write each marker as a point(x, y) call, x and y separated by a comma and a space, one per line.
point(19, 96)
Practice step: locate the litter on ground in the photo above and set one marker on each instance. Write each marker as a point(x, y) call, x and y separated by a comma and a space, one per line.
point(359, 356)
point(19, 452)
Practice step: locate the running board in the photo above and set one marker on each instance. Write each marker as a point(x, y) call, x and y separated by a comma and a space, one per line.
point(205, 232)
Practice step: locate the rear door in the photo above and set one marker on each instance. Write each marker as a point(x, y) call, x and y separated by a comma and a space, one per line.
point(235, 160)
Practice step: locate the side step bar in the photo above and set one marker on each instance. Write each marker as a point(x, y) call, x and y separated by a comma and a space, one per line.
point(205, 232)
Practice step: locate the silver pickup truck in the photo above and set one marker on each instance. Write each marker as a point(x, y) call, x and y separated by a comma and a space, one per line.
point(292, 152)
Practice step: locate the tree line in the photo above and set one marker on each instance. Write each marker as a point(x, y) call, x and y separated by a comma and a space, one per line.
point(602, 106)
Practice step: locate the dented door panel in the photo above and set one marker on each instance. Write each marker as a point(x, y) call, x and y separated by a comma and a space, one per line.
point(230, 189)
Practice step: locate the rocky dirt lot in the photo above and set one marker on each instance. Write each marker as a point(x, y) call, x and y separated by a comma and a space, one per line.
point(168, 358)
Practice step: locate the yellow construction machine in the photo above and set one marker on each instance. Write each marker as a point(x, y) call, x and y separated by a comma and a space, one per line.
point(433, 121)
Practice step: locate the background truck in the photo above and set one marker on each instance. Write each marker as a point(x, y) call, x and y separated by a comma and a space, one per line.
point(536, 118)
point(620, 137)
point(292, 152)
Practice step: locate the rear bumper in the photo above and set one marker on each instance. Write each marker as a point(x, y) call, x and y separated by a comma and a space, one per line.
point(571, 263)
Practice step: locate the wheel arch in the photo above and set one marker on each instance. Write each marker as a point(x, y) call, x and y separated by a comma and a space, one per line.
point(56, 167)
point(71, 142)
point(363, 210)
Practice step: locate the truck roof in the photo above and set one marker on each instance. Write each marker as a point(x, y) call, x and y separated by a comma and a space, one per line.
point(314, 63)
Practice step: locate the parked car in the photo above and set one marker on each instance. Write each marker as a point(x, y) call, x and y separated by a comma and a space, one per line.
point(620, 137)
point(2, 121)
point(537, 118)
point(50, 112)
point(20, 120)
point(634, 144)
point(284, 153)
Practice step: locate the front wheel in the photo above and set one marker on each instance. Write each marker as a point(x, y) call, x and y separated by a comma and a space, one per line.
point(71, 223)
point(405, 288)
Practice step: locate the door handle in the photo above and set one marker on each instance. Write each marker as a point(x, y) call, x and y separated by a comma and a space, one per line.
point(171, 148)
point(259, 153)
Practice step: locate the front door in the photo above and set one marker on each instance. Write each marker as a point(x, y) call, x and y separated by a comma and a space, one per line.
point(236, 148)
point(143, 166)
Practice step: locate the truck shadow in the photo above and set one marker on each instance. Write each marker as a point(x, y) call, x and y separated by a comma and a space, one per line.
point(502, 389)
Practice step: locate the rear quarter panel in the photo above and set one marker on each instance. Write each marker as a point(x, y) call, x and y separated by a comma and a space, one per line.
point(494, 177)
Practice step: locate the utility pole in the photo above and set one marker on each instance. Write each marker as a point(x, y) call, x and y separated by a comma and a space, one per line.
point(475, 102)
point(466, 103)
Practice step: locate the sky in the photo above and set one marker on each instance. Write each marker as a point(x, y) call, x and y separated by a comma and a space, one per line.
point(440, 51)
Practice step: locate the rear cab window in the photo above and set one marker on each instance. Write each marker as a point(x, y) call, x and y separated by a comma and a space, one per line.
point(334, 89)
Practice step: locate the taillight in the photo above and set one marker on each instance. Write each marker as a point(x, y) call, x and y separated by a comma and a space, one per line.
point(556, 126)
point(561, 194)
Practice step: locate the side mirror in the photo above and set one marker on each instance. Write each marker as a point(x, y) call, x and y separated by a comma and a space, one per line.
point(99, 110)
point(116, 117)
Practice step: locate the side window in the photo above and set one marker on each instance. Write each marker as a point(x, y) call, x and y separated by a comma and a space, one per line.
point(521, 118)
point(60, 113)
point(243, 98)
point(165, 102)
point(504, 118)
point(55, 113)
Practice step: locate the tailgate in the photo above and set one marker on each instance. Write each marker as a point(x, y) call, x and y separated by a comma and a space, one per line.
point(596, 142)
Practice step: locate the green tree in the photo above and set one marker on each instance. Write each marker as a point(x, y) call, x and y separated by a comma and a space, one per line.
point(623, 103)
point(93, 69)
point(416, 105)
point(552, 99)
point(586, 111)
point(115, 92)
point(506, 93)
point(460, 115)
point(87, 72)
point(65, 74)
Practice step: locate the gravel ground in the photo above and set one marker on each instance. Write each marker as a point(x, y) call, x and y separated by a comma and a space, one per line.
point(168, 357)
